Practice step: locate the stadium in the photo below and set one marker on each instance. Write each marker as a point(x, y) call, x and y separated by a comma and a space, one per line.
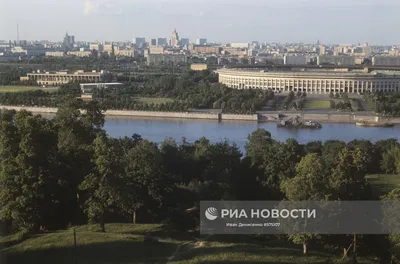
point(317, 81)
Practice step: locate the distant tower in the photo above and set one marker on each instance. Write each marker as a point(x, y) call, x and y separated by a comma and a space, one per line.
point(68, 42)
point(18, 33)
point(174, 42)
point(318, 42)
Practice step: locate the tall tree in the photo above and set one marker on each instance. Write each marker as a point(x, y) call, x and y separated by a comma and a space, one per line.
point(258, 143)
point(103, 186)
point(145, 181)
point(330, 152)
point(369, 149)
point(390, 160)
point(78, 125)
point(310, 183)
point(348, 176)
point(31, 188)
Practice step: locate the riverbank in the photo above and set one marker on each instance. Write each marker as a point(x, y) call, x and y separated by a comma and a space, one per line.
point(260, 117)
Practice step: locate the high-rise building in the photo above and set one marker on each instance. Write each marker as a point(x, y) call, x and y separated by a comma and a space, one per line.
point(321, 50)
point(252, 52)
point(367, 51)
point(184, 41)
point(139, 41)
point(335, 60)
point(69, 41)
point(161, 41)
point(385, 61)
point(96, 46)
point(201, 41)
point(174, 41)
point(295, 59)
point(108, 48)
point(153, 42)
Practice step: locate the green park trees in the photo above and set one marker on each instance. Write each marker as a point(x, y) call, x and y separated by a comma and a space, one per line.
point(172, 93)
point(144, 177)
point(103, 185)
point(30, 190)
point(309, 183)
point(67, 170)
point(384, 103)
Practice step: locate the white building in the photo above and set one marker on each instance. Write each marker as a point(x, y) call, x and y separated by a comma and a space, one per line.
point(312, 81)
point(29, 51)
point(174, 41)
point(88, 87)
point(158, 59)
point(296, 59)
point(55, 54)
point(386, 61)
point(240, 45)
point(336, 60)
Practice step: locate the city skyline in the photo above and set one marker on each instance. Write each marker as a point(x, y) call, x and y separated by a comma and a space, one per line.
point(285, 21)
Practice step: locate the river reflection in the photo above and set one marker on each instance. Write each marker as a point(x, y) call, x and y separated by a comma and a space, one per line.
point(157, 130)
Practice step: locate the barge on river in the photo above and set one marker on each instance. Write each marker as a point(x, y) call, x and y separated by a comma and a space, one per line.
point(295, 122)
point(374, 124)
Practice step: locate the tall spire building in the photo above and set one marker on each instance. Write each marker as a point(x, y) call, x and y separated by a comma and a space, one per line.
point(174, 41)
point(69, 41)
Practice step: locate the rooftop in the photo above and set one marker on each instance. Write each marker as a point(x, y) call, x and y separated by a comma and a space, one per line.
point(312, 72)
point(97, 84)
point(67, 73)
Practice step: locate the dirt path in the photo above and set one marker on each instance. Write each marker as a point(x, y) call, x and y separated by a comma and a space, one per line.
point(185, 247)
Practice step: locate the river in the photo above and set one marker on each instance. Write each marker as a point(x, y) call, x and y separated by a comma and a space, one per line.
point(157, 130)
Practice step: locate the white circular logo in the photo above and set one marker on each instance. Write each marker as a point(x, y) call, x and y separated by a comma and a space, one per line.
point(211, 213)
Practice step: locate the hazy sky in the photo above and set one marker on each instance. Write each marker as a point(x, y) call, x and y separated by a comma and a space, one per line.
point(330, 21)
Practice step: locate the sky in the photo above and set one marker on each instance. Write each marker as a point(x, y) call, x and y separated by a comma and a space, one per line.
point(284, 21)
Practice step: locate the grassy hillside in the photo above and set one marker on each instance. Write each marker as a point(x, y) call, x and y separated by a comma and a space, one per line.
point(122, 243)
point(126, 243)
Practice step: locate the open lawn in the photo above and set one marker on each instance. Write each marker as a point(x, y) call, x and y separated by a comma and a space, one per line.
point(16, 89)
point(154, 100)
point(323, 104)
point(383, 183)
point(122, 243)
point(219, 252)
point(126, 243)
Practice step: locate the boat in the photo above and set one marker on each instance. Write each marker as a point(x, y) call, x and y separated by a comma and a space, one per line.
point(296, 123)
point(311, 124)
point(374, 124)
point(286, 123)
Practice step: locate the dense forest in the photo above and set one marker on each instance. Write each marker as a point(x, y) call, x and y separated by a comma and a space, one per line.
point(67, 171)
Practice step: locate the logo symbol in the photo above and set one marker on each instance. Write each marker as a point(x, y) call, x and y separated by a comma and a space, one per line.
point(211, 213)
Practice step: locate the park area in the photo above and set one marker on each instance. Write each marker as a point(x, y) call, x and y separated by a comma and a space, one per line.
point(317, 104)
point(151, 243)
point(153, 100)
point(24, 88)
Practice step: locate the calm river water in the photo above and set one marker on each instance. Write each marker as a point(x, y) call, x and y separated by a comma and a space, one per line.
point(237, 131)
